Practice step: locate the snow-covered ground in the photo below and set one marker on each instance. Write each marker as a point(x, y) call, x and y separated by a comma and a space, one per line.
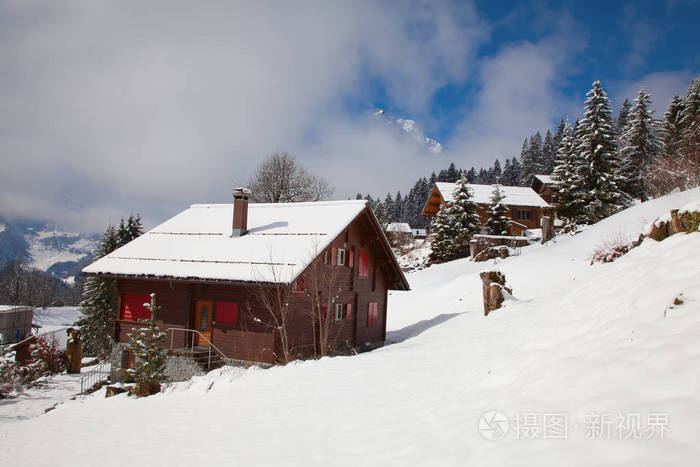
point(589, 365)
point(54, 318)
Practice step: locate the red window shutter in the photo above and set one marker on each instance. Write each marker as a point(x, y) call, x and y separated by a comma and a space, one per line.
point(348, 312)
point(227, 312)
point(351, 257)
point(364, 264)
point(133, 307)
point(334, 256)
point(372, 314)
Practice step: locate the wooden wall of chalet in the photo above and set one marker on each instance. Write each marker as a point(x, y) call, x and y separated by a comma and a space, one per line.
point(249, 339)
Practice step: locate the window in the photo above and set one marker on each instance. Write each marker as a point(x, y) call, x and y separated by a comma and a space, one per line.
point(133, 307)
point(521, 214)
point(372, 313)
point(227, 312)
point(364, 264)
point(299, 285)
point(348, 312)
point(341, 257)
point(325, 257)
point(338, 311)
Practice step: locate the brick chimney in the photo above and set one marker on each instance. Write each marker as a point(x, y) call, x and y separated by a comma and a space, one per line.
point(240, 211)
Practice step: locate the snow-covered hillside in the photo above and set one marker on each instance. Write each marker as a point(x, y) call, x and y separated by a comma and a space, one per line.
point(47, 247)
point(589, 365)
point(411, 129)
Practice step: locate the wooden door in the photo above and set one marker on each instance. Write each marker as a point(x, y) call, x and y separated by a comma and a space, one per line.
point(203, 311)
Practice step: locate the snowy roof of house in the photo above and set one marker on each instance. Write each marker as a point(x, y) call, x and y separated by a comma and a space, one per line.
point(398, 227)
point(281, 242)
point(514, 195)
point(547, 179)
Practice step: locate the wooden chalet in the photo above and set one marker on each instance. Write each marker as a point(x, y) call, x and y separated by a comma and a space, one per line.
point(545, 186)
point(526, 207)
point(211, 275)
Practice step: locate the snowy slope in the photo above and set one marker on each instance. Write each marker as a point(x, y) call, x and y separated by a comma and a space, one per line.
point(585, 342)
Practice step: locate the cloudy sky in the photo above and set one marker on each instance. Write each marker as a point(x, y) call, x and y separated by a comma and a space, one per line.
point(113, 107)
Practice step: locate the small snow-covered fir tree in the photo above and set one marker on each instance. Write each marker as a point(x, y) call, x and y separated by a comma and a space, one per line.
point(569, 196)
point(466, 218)
point(497, 223)
point(599, 165)
point(444, 233)
point(641, 148)
point(146, 344)
point(99, 305)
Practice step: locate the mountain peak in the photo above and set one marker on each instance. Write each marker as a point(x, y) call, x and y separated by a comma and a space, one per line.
point(409, 128)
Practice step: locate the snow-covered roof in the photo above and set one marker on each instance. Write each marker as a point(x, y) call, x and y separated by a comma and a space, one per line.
point(281, 242)
point(547, 179)
point(514, 195)
point(398, 227)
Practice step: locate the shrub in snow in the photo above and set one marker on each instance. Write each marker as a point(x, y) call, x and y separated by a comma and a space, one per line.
point(613, 247)
point(47, 359)
point(146, 344)
point(12, 375)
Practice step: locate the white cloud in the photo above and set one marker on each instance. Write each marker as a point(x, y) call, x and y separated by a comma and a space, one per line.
point(520, 94)
point(117, 107)
point(661, 86)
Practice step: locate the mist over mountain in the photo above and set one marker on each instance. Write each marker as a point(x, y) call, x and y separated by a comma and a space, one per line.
point(411, 129)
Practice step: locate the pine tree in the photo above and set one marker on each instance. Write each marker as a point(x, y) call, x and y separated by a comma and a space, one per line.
point(444, 233)
point(532, 158)
point(466, 217)
point(471, 175)
point(382, 215)
point(389, 207)
point(558, 135)
point(452, 173)
point(569, 196)
point(690, 129)
point(641, 148)
point(99, 305)
point(146, 343)
point(549, 154)
point(497, 223)
point(597, 151)
point(672, 139)
point(398, 214)
point(623, 116)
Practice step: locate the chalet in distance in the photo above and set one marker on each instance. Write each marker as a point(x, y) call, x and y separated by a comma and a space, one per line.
point(526, 207)
point(546, 186)
point(209, 272)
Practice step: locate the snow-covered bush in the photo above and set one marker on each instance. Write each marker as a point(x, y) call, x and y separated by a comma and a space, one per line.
point(613, 247)
point(47, 359)
point(146, 344)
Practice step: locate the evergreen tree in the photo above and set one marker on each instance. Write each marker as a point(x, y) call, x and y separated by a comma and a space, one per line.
point(444, 233)
point(389, 206)
point(99, 305)
point(452, 173)
point(146, 343)
point(497, 172)
point(549, 154)
point(569, 196)
point(641, 148)
point(382, 215)
point(465, 215)
point(497, 223)
point(398, 214)
point(471, 175)
point(623, 116)
point(597, 151)
point(558, 135)
point(532, 159)
point(672, 139)
point(690, 127)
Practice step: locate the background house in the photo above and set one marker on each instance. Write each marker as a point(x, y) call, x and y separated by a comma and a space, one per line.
point(399, 233)
point(545, 186)
point(526, 207)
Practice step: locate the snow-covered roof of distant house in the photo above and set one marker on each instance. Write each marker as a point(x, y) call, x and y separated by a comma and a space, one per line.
point(398, 227)
point(15, 307)
point(514, 195)
point(547, 179)
point(281, 242)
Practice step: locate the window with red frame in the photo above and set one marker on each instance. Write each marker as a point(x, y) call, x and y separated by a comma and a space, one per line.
point(227, 312)
point(364, 264)
point(372, 314)
point(299, 285)
point(133, 307)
